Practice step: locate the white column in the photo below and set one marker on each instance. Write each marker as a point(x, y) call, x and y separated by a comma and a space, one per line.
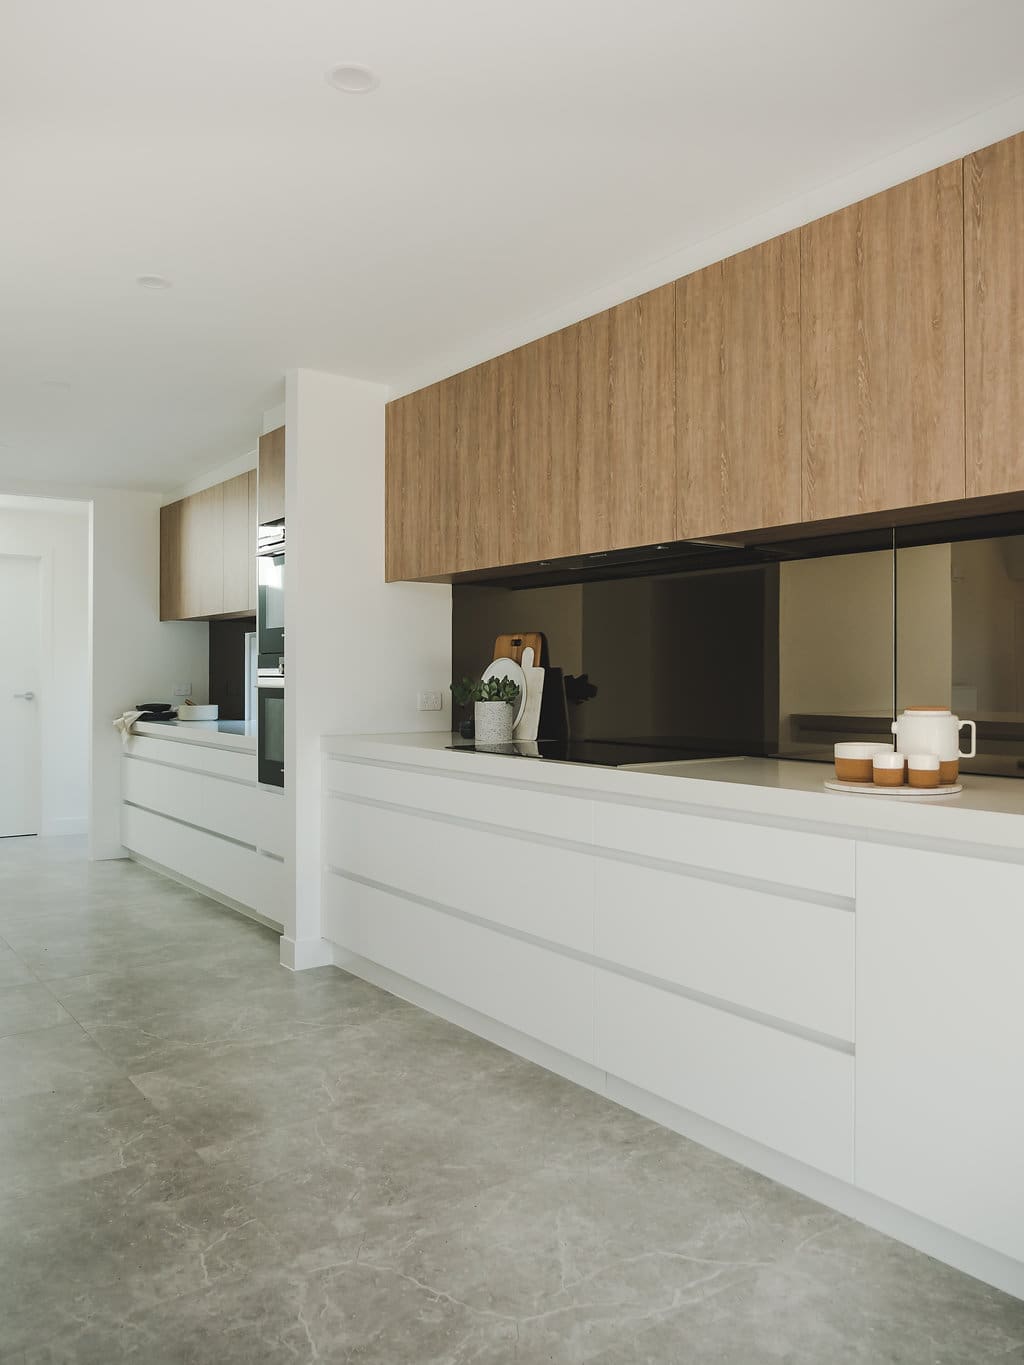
point(357, 650)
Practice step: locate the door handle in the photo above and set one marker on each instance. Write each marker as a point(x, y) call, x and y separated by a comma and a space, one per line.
point(26, 696)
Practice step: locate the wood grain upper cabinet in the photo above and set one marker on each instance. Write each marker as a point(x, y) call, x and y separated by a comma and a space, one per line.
point(171, 594)
point(208, 552)
point(626, 424)
point(882, 342)
point(417, 503)
point(536, 446)
point(270, 490)
point(738, 392)
point(474, 438)
point(238, 561)
point(994, 319)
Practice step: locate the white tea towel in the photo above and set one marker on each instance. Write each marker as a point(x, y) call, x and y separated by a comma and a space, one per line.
point(124, 724)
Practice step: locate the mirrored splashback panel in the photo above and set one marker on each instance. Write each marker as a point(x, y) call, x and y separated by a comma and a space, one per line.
point(809, 645)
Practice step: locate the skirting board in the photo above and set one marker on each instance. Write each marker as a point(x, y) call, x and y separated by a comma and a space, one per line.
point(949, 1247)
point(226, 901)
point(300, 955)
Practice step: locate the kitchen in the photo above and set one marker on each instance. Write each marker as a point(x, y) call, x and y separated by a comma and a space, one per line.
point(646, 756)
point(802, 591)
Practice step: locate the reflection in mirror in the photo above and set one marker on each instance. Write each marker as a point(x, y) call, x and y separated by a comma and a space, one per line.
point(960, 641)
point(835, 652)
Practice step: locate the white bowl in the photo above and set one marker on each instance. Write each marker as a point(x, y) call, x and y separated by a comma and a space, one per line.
point(198, 712)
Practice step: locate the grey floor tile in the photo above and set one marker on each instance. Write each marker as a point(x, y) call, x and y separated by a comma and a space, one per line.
point(23, 1008)
point(61, 1058)
point(13, 971)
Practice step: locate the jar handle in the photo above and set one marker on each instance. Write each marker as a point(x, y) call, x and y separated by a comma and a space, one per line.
point(974, 739)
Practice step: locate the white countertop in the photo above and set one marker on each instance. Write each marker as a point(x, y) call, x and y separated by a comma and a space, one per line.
point(224, 734)
point(987, 812)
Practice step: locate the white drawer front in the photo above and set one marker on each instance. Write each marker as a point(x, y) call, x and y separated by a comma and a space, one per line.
point(792, 1095)
point(250, 814)
point(534, 812)
point(200, 757)
point(782, 957)
point(539, 992)
point(535, 888)
point(233, 809)
point(168, 790)
point(815, 862)
point(245, 876)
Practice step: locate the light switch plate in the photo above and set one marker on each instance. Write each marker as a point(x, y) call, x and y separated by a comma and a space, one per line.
point(429, 701)
point(182, 689)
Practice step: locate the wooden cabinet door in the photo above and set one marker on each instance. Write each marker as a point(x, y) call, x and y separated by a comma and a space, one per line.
point(738, 392)
point(171, 563)
point(209, 549)
point(994, 317)
point(270, 493)
point(237, 561)
point(475, 427)
point(418, 510)
point(536, 442)
point(626, 424)
point(882, 343)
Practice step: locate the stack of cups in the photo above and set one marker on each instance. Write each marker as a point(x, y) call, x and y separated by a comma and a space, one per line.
point(886, 767)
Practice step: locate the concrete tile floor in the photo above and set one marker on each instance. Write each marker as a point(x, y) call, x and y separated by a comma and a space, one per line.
point(204, 1158)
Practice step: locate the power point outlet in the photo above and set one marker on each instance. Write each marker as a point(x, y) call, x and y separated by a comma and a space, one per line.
point(429, 701)
point(182, 689)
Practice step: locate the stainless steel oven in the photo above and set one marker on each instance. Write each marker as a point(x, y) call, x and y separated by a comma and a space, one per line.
point(270, 732)
point(270, 599)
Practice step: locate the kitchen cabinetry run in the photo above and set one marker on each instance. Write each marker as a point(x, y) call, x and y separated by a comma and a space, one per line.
point(882, 333)
point(868, 362)
point(738, 392)
point(207, 552)
point(994, 306)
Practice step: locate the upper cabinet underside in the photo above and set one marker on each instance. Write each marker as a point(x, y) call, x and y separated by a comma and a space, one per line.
point(871, 361)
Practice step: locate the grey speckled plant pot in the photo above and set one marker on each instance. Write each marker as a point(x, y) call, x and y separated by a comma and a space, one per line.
point(493, 722)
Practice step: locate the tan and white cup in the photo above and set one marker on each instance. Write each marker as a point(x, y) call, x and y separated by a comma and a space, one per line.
point(889, 769)
point(923, 770)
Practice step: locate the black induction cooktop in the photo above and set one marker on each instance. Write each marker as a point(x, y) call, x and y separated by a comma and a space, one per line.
point(610, 753)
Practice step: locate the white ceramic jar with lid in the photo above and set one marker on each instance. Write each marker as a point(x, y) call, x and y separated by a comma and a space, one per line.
point(934, 730)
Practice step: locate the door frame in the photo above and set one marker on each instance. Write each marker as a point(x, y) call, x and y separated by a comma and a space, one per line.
point(45, 612)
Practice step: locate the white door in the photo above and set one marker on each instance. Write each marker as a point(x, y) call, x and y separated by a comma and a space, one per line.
point(19, 695)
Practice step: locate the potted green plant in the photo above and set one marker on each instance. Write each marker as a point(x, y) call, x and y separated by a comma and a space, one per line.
point(463, 697)
point(494, 707)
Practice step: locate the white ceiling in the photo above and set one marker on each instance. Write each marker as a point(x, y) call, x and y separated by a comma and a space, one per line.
point(516, 161)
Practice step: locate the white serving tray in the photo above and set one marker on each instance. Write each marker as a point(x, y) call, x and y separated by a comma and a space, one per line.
point(869, 789)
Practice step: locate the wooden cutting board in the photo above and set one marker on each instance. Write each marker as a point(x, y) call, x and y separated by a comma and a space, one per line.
point(512, 646)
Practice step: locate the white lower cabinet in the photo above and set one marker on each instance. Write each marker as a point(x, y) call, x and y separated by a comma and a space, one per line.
point(788, 1093)
point(940, 1040)
point(194, 811)
point(543, 994)
point(534, 888)
point(252, 879)
point(778, 955)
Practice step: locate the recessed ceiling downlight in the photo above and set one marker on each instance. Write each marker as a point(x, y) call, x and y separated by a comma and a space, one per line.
point(351, 79)
point(153, 281)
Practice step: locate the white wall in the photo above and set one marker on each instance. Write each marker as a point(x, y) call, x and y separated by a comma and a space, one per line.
point(357, 649)
point(135, 656)
point(59, 539)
